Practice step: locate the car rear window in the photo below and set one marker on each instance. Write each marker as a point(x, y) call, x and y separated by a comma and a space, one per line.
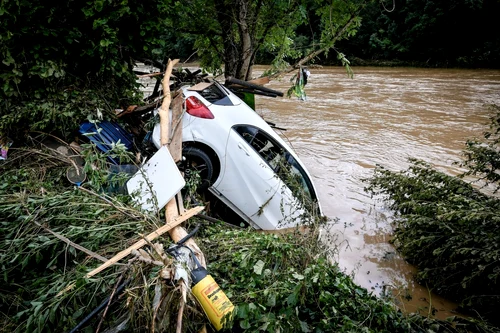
point(215, 95)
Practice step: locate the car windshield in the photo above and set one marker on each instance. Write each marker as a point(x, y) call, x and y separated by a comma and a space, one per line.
point(280, 160)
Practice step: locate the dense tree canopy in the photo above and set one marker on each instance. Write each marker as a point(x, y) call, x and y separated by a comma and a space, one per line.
point(459, 33)
point(233, 33)
point(67, 61)
point(62, 62)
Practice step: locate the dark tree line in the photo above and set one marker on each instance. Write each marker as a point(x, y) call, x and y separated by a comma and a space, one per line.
point(450, 33)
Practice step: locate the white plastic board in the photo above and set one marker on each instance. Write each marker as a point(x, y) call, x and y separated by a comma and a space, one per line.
point(156, 182)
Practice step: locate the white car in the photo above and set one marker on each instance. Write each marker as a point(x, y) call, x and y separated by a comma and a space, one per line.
point(243, 161)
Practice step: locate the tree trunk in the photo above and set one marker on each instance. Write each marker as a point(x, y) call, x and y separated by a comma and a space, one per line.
point(246, 45)
point(231, 50)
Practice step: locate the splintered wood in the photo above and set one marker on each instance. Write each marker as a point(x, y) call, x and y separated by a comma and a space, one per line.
point(149, 238)
point(171, 136)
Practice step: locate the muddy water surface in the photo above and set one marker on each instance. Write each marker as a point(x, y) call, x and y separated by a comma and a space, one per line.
point(382, 116)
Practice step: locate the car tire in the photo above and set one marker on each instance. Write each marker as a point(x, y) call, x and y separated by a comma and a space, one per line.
point(197, 160)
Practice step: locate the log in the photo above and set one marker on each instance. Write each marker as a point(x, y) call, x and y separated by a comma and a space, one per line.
point(165, 105)
point(232, 80)
point(172, 210)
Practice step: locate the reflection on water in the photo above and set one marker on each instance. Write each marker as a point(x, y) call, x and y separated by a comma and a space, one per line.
point(382, 116)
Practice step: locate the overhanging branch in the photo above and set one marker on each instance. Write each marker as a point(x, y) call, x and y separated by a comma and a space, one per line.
point(316, 53)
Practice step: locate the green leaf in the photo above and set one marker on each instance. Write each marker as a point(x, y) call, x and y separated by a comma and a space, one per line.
point(292, 299)
point(258, 267)
point(271, 301)
point(304, 327)
point(245, 324)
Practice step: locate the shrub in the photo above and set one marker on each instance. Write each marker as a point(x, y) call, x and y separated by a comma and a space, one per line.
point(449, 230)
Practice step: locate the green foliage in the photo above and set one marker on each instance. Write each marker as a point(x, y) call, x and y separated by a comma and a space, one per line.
point(281, 284)
point(63, 63)
point(482, 157)
point(235, 34)
point(449, 230)
point(44, 289)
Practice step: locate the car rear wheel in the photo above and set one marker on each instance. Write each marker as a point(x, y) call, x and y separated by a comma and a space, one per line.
point(197, 161)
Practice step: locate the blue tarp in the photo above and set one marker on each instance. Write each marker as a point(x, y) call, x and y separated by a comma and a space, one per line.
point(110, 133)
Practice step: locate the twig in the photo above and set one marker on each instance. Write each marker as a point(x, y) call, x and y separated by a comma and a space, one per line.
point(113, 294)
point(107, 201)
point(214, 220)
point(182, 304)
point(76, 246)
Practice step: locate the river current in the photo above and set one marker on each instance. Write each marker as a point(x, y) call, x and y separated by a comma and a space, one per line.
point(383, 116)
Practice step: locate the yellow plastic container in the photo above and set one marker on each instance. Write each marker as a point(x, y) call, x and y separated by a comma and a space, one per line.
point(214, 301)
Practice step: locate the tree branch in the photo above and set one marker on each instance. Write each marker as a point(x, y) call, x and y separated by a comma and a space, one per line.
point(314, 54)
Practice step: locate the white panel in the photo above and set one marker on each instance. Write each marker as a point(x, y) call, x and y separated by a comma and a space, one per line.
point(156, 182)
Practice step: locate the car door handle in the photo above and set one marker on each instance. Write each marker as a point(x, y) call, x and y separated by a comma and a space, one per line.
point(240, 145)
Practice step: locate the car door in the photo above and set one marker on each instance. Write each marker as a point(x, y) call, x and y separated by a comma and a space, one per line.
point(249, 181)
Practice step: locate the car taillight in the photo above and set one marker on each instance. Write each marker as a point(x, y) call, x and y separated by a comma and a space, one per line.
point(197, 109)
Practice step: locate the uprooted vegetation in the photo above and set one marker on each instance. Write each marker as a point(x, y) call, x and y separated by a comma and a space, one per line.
point(278, 282)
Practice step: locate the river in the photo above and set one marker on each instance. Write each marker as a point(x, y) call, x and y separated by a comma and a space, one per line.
point(381, 116)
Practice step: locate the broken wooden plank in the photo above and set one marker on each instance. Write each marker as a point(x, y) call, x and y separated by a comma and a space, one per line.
point(175, 144)
point(172, 210)
point(149, 238)
point(200, 86)
point(149, 75)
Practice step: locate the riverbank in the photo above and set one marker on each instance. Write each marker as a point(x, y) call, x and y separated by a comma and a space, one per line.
point(277, 282)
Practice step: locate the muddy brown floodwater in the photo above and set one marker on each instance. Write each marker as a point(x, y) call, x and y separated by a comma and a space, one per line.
point(381, 116)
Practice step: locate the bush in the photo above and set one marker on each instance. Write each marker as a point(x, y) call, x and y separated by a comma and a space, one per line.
point(447, 227)
point(278, 283)
point(281, 284)
point(449, 230)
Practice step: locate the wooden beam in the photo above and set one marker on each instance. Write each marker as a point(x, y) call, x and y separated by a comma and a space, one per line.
point(149, 238)
point(175, 143)
point(175, 148)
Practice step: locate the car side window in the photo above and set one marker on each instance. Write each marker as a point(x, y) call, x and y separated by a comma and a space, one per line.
point(280, 160)
point(267, 148)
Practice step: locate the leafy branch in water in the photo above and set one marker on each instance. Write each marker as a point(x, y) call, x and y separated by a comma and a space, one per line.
point(449, 230)
point(482, 157)
point(447, 227)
